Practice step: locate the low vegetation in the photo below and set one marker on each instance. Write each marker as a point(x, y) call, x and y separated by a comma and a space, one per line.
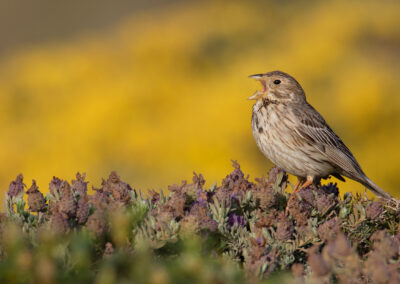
point(233, 233)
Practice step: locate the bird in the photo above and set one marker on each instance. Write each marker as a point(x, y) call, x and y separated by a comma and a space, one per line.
point(295, 137)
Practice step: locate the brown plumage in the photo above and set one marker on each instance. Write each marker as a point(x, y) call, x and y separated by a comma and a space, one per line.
point(296, 138)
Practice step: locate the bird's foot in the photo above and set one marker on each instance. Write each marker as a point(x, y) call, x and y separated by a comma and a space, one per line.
point(297, 189)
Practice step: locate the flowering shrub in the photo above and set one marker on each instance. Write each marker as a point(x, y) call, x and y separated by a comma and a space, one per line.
point(232, 233)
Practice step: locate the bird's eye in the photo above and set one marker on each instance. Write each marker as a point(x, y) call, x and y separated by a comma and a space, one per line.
point(277, 82)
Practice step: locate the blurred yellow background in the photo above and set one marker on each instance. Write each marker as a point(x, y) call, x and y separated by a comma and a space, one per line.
point(159, 91)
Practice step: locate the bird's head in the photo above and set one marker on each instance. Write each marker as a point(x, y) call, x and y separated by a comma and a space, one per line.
point(278, 86)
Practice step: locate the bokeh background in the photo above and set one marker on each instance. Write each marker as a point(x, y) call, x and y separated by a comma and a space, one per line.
point(157, 89)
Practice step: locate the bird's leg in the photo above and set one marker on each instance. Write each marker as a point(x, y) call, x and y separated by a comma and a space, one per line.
point(295, 190)
point(297, 187)
point(309, 181)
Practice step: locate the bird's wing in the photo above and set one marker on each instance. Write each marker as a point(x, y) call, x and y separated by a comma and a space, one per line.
point(312, 127)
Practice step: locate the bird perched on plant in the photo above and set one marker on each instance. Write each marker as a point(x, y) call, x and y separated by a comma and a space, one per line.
point(296, 138)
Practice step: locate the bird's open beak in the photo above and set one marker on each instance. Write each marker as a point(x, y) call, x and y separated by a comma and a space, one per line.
point(256, 76)
point(255, 96)
point(258, 94)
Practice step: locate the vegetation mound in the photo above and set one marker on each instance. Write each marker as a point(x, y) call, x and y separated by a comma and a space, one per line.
point(233, 233)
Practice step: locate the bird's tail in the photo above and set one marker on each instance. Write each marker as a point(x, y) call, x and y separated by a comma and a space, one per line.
point(374, 188)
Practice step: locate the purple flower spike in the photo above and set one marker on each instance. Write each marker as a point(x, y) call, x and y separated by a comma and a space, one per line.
point(201, 197)
point(235, 219)
point(234, 197)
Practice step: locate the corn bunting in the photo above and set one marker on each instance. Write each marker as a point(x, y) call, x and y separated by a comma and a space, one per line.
point(296, 138)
